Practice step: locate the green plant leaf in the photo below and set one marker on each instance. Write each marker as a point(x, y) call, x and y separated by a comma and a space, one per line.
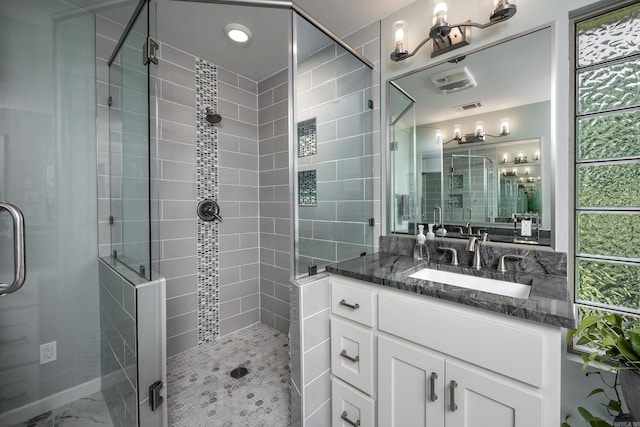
point(595, 391)
point(593, 421)
point(613, 319)
point(608, 341)
point(587, 322)
point(615, 406)
point(635, 341)
point(626, 350)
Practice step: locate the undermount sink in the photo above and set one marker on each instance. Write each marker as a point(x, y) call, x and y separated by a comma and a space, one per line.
point(509, 289)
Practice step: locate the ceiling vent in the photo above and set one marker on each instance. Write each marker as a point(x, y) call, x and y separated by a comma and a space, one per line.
point(469, 106)
point(453, 80)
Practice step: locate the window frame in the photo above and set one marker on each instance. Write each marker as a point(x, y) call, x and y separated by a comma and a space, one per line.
point(576, 17)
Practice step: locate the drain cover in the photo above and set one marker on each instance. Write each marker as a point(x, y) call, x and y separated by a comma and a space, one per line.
point(239, 372)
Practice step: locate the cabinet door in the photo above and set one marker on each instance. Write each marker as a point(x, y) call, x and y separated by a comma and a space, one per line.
point(410, 385)
point(478, 398)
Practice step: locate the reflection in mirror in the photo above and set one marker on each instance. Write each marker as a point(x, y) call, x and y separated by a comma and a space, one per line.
point(480, 129)
point(402, 153)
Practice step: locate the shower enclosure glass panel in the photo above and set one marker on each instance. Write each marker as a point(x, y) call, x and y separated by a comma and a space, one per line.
point(48, 171)
point(129, 149)
point(470, 189)
point(401, 161)
point(332, 139)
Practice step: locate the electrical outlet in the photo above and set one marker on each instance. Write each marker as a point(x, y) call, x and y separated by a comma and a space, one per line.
point(48, 352)
point(526, 227)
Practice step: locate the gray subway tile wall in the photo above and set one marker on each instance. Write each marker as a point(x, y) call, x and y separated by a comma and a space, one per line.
point(240, 195)
point(118, 346)
point(275, 240)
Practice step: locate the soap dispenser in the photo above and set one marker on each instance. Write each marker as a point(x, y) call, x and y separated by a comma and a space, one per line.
point(430, 235)
point(420, 249)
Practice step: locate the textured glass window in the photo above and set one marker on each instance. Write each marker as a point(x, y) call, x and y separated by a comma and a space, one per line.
point(609, 186)
point(610, 36)
point(611, 283)
point(610, 87)
point(595, 231)
point(609, 137)
point(607, 224)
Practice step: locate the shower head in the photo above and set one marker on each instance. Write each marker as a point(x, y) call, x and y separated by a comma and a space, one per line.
point(213, 118)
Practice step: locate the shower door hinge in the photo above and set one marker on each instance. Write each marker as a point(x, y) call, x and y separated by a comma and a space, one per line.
point(154, 395)
point(109, 100)
point(150, 51)
point(372, 222)
point(393, 146)
point(313, 270)
point(370, 104)
point(110, 219)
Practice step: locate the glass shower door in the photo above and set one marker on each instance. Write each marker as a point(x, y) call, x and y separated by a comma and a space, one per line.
point(49, 329)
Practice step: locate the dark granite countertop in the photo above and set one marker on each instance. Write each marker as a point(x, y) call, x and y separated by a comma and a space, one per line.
point(549, 301)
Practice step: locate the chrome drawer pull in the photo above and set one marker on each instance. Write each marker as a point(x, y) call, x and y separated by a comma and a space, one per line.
point(352, 307)
point(344, 354)
point(433, 396)
point(452, 389)
point(346, 418)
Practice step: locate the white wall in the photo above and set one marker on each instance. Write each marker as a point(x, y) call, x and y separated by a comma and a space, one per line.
point(532, 14)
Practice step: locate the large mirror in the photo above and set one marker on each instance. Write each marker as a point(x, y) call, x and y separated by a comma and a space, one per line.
point(470, 144)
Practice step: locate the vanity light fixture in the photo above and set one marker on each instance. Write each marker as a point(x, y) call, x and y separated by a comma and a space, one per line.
point(446, 37)
point(237, 33)
point(479, 134)
point(438, 136)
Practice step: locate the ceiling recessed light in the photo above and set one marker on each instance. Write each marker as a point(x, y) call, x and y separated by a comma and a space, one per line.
point(237, 32)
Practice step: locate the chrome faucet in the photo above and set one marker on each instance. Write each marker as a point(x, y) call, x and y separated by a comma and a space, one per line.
point(469, 228)
point(502, 267)
point(473, 245)
point(454, 254)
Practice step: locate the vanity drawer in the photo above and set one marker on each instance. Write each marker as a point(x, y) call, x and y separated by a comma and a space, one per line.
point(355, 302)
point(352, 354)
point(350, 407)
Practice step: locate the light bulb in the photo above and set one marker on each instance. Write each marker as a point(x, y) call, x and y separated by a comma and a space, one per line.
point(440, 13)
point(504, 127)
point(479, 130)
point(400, 35)
point(457, 133)
point(439, 136)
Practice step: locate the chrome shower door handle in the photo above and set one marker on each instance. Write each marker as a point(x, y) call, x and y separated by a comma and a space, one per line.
point(18, 249)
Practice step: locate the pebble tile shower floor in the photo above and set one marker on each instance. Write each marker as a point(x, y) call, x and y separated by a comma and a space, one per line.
point(201, 391)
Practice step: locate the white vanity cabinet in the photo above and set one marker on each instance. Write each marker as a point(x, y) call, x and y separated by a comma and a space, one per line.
point(437, 363)
point(420, 388)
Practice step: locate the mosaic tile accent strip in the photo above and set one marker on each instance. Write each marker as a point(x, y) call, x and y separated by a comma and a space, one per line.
point(201, 391)
point(307, 188)
point(307, 138)
point(207, 188)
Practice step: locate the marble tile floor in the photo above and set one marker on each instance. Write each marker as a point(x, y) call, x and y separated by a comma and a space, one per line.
point(201, 391)
point(88, 411)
